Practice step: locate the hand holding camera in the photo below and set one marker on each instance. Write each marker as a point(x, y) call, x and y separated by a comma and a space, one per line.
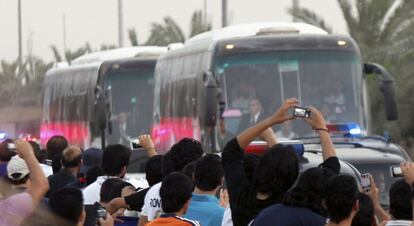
point(316, 121)
point(282, 114)
point(22, 148)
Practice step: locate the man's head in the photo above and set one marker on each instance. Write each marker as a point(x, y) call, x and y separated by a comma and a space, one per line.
point(208, 173)
point(5, 153)
point(39, 154)
point(175, 192)
point(115, 160)
point(181, 153)
point(56, 145)
point(153, 171)
point(277, 170)
point(91, 157)
point(17, 171)
point(341, 198)
point(365, 214)
point(255, 106)
point(67, 203)
point(71, 157)
point(106, 188)
point(400, 200)
point(309, 188)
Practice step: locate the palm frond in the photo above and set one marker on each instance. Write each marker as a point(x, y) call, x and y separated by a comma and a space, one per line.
point(310, 17)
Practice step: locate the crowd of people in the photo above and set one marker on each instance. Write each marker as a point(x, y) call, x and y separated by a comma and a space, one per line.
point(64, 185)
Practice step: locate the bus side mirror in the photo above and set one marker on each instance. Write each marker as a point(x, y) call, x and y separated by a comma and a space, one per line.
point(210, 106)
point(101, 109)
point(386, 87)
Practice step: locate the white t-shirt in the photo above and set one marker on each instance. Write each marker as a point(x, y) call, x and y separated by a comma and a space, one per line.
point(152, 203)
point(398, 223)
point(47, 170)
point(227, 220)
point(91, 193)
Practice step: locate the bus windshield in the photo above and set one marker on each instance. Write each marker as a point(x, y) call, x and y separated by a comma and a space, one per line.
point(131, 95)
point(256, 84)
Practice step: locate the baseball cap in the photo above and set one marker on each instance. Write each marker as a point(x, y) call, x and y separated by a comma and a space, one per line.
point(17, 168)
point(91, 157)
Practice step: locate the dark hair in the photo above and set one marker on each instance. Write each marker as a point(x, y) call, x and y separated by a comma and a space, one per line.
point(56, 145)
point(107, 187)
point(67, 203)
point(400, 200)
point(308, 191)
point(341, 195)
point(153, 172)
point(176, 189)
point(71, 157)
point(365, 215)
point(250, 162)
point(39, 154)
point(116, 190)
point(114, 158)
point(277, 170)
point(181, 153)
point(18, 182)
point(188, 170)
point(92, 174)
point(208, 172)
point(5, 153)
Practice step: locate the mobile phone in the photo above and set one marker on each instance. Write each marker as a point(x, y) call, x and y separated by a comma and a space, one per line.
point(366, 182)
point(11, 147)
point(134, 143)
point(301, 112)
point(396, 171)
point(100, 213)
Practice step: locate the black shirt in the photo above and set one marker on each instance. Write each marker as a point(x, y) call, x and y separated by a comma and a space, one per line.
point(59, 180)
point(243, 203)
point(136, 201)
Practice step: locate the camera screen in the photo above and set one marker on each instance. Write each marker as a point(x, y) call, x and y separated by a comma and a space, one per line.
point(301, 112)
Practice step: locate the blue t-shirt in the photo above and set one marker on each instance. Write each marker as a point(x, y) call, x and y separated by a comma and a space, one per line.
point(3, 169)
point(205, 209)
point(281, 214)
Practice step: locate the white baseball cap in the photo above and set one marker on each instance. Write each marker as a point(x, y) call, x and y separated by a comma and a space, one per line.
point(17, 168)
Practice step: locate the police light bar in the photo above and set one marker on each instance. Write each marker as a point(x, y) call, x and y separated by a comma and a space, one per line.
point(260, 147)
point(351, 129)
point(3, 135)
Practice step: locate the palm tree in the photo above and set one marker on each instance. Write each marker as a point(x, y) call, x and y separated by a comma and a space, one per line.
point(170, 32)
point(133, 38)
point(71, 55)
point(198, 24)
point(385, 34)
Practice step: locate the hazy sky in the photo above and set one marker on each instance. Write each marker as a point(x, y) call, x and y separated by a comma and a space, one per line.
point(95, 21)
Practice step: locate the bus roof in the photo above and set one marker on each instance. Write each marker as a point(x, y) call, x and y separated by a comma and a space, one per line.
point(254, 29)
point(115, 54)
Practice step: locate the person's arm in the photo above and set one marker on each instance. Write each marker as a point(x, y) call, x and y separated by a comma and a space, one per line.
point(269, 136)
point(381, 214)
point(279, 117)
point(39, 183)
point(115, 204)
point(147, 144)
point(317, 122)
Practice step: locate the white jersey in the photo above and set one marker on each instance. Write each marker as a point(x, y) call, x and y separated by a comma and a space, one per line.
point(152, 203)
point(398, 223)
point(91, 192)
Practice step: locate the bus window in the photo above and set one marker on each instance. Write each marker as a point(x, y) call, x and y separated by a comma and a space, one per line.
point(327, 80)
point(132, 103)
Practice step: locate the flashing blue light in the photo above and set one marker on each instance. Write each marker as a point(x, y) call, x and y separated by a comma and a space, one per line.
point(3, 135)
point(351, 129)
point(355, 131)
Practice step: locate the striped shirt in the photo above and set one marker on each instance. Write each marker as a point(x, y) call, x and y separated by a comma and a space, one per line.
point(172, 220)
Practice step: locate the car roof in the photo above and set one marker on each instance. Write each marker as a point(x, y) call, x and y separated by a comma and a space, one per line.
point(360, 155)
